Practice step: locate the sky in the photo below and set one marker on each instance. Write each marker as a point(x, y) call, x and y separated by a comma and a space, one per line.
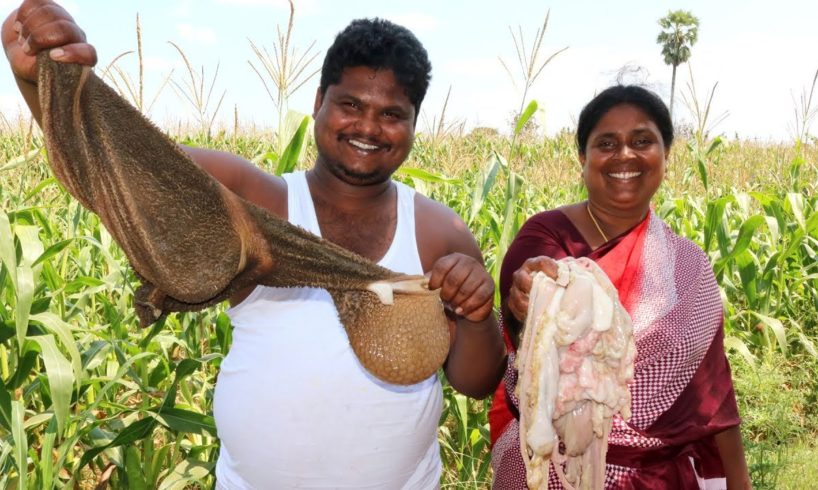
point(761, 55)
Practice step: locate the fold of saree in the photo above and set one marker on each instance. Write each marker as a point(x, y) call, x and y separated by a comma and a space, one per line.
point(682, 393)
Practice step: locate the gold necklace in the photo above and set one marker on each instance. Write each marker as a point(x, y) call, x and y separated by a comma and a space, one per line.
point(602, 233)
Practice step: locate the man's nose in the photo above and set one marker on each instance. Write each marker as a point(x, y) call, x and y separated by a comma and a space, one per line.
point(368, 124)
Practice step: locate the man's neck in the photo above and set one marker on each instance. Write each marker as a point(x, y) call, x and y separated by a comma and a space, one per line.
point(325, 186)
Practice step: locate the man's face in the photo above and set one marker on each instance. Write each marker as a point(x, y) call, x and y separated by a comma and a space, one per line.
point(364, 126)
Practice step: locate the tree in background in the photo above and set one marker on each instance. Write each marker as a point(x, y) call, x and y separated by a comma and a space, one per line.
point(680, 30)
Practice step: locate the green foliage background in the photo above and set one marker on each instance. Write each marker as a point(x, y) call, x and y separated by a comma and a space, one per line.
point(86, 397)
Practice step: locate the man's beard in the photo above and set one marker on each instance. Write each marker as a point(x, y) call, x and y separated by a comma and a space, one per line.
point(350, 176)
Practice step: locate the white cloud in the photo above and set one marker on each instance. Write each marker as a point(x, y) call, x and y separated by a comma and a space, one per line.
point(202, 35)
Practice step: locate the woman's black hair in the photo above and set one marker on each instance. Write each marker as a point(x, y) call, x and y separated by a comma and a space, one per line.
point(379, 44)
point(616, 95)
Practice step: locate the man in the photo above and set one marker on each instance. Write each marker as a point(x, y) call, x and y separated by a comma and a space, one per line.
point(293, 406)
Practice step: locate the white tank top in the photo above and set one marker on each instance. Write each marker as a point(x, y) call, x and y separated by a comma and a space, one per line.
point(294, 408)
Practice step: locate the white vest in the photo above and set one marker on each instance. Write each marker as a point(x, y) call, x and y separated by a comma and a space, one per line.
point(294, 408)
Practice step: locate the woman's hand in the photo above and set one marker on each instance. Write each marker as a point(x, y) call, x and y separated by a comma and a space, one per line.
point(521, 283)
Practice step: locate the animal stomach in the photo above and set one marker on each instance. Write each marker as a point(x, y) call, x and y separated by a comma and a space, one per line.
point(575, 362)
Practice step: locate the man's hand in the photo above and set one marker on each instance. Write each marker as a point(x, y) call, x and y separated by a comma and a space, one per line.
point(40, 25)
point(464, 285)
point(521, 283)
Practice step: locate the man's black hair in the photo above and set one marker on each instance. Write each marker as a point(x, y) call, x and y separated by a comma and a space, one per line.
point(635, 95)
point(379, 44)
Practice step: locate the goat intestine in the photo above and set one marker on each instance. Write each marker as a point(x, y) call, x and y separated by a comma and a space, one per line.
point(575, 362)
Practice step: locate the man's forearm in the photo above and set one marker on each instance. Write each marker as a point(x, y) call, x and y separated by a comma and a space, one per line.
point(477, 358)
point(29, 92)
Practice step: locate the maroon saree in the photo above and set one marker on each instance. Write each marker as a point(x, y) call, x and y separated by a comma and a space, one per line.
point(682, 393)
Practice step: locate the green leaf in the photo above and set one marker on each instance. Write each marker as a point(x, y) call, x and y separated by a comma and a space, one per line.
point(133, 469)
point(187, 471)
point(25, 296)
point(745, 234)
point(777, 327)
point(8, 255)
point(483, 185)
point(37, 189)
point(60, 377)
point(224, 332)
point(809, 346)
point(701, 166)
point(463, 414)
point(62, 330)
point(736, 344)
point(30, 243)
point(52, 251)
point(525, 116)
point(290, 156)
point(134, 432)
point(426, 176)
point(5, 409)
point(184, 368)
point(713, 217)
point(18, 435)
point(46, 462)
point(796, 201)
point(20, 160)
point(25, 363)
point(717, 141)
point(186, 421)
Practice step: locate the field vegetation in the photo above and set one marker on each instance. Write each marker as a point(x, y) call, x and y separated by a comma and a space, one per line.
point(88, 397)
point(90, 400)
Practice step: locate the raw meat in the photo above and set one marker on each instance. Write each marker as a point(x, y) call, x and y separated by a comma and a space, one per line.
point(575, 362)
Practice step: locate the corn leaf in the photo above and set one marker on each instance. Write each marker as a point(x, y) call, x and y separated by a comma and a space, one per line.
point(736, 344)
point(187, 471)
point(60, 377)
point(5, 408)
point(525, 116)
point(8, 255)
point(25, 296)
point(18, 435)
point(46, 462)
point(777, 327)
point(483, 185)
point(186, 421)
point(291, 155)
point(63, 332)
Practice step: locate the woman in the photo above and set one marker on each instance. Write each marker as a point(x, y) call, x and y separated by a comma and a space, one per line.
point(684, 431)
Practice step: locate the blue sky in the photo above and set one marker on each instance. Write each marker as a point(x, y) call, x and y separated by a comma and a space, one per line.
point(762, 54)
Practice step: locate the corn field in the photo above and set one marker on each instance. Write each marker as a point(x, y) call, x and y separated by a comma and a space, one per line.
point(90, 400)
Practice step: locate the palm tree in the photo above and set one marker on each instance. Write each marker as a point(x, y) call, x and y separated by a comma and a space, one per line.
point(680, 29)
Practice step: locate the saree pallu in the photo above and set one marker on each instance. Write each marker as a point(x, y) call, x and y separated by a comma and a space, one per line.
point(682, 391)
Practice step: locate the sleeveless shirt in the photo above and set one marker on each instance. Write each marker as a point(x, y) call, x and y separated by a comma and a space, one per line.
point(294, 408)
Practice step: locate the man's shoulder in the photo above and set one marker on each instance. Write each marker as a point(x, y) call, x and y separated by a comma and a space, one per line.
point(441, 230)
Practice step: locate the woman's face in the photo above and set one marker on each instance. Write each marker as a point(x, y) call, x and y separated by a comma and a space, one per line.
point(624, 160)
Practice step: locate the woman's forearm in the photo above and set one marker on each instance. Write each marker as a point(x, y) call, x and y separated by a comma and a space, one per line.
point(731, 451)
